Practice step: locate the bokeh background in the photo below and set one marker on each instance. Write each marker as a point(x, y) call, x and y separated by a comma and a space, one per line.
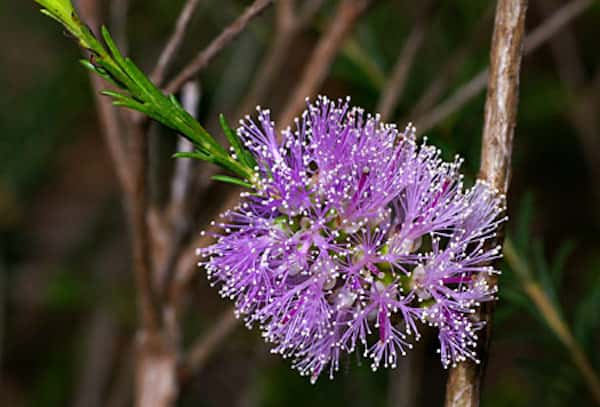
point(67, 309)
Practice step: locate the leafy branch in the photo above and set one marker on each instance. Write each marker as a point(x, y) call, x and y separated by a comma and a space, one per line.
point(138, 93)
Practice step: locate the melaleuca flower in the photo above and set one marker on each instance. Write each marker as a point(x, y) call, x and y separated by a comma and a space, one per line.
point(353, 237)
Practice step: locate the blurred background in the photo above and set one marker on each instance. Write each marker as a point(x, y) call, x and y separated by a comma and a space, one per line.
point(67, 296)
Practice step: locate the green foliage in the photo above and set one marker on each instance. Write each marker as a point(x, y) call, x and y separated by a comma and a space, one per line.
point(243, 155)
point(140, 94)
point(231, 180)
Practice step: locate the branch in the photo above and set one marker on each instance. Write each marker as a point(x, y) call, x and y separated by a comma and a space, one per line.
point(472, 88)
point(113, 133)
point(393, 89)
point(217, 45)
point(174, 43)
point(322, 57)
point(464, 381)
point(137, 203)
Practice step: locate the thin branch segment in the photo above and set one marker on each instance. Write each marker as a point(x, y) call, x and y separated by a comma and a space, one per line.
point(464, 382)
point(503, 93)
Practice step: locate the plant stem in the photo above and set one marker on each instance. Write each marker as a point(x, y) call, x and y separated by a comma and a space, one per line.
point(465, 379)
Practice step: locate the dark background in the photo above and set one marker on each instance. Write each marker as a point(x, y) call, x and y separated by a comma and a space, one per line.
point(67, 297)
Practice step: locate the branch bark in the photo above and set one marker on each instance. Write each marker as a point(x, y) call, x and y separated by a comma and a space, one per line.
point(464, 381)
point(217, 45)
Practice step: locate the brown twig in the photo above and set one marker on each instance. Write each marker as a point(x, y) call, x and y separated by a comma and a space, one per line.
point(174, 43)
point(137, 203)
point(472, 88)
point(464, 381)
point(322, 57)
point(113, 134)
point(393, 89)
point(217, 45)
point(288, 26)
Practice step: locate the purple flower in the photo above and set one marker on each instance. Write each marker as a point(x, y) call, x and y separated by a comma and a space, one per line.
point(354, 236)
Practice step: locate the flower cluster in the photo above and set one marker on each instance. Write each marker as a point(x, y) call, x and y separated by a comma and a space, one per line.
point(353, 237)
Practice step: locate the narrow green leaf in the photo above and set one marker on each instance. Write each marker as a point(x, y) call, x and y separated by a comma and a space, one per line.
point(88, 65)
point(243, 154)
point(112, 46)
point(116, 95)
point(197, 155)
point(231, 180)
